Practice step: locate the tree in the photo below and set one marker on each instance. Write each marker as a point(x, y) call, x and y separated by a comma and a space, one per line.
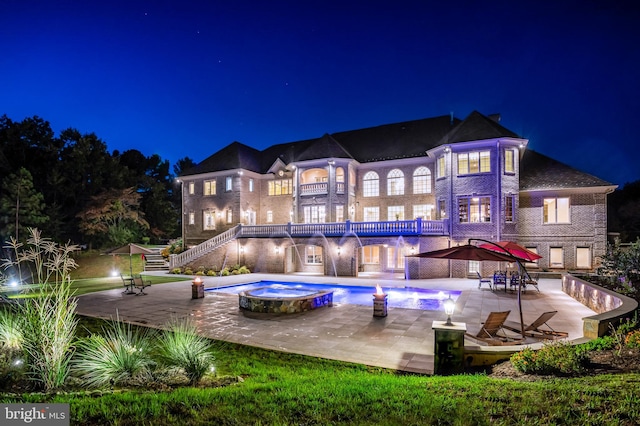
point(21, 206)
point(113, 216)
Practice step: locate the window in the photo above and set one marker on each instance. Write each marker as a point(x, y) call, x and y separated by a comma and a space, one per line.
point(339, 174)
point(340, 213)
point(313, 255)
point(509, 161)
point(555, 210)
point(474, 267)
point(395, 213)
point(508, 209)
point(556, 257)
point(371, 214)
point(422, 181)
point(371, 254)
point(442, 209)
point(192, 218)
point(208, 220)
point(474, 209)
point(250, 185)
point(535, 262)
point(395, 182)
point(474, 162)
point(281, 187)
point(441, 167)
point(269, 216)
point(314, 214)
point(370, 185)
point(395, 258)
point(192, 188)
point(583, 258)
point(228, 186)
point(423, 210)
point(229, 216)
point(210, 187)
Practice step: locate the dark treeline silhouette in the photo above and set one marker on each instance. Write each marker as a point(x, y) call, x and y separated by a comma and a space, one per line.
point(72, 188)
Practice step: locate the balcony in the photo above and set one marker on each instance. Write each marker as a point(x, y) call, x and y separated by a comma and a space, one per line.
point(319, 188)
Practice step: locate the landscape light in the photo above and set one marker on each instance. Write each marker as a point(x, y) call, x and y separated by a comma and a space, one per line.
point(449, 307)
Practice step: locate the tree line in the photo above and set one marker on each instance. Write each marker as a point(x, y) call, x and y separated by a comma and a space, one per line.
point(73, 189)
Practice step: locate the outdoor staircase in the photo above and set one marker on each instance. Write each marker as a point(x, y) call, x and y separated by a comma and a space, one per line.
point(155, 262)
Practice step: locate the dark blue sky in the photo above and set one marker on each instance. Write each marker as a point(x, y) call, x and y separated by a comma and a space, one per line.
point(185, 78)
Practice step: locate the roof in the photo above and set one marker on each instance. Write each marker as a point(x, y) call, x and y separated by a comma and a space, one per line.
point(539, 172)
point(234, 156)
point(477, 127)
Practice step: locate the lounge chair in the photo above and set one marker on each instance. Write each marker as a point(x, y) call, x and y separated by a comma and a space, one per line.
point(484, 281)
point(534, 330)
point(532, 280)
point(490, 329)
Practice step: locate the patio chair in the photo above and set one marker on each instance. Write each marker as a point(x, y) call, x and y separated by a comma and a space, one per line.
point(491, 327)
point(532, 280)
point(500, 278)
point(484, 281)
point(140, 284)
point(534, 330)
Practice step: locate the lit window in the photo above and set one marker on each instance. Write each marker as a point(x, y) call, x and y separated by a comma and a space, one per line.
point(583, 258)
point(281, 187)
point(228, 184)
point(395, 182)
point(474, 209)
point(474, 162)
point(442, 209)
point(441, 167)
point(339, 174)
point(192, 188)
point(269, 216)
point(422, 181)
point(371, 254)
point(508, 209)
point(509, 161)
point(395, 258)
point(474, 267)
point(208, 220)
point(395, 213)
point(314, 214)
point(313, 255)
point(192, 218)
point(423, 210)
point(250, 185)
point(371, 214)
point(556, 257)
point(370, 185)
point(340, 213)
point(555, 210)
point(210, 187)
point(229, 216)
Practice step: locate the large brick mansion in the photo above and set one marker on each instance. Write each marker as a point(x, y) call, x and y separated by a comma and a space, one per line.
point(359, 201)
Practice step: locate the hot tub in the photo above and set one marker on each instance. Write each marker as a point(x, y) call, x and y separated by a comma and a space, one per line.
point(278, 300)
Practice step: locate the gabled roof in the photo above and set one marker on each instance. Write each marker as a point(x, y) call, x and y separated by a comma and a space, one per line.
point(539, 172)
point(234, 156)
point(477, 127)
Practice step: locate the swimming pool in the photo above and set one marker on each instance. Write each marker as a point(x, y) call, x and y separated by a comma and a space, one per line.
point(398, 297)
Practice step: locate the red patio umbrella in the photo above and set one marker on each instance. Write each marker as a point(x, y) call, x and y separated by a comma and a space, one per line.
point(515, 249)
point(471, 252)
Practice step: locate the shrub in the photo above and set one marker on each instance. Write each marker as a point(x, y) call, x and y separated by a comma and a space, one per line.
point(225, 272)
point(181, 347)
point(244, 270)
point(552, 358)
point(176, 271)
point(600, 344)
point(10, 330)
point(632, 340)
point(211, 273)
point(121, 356)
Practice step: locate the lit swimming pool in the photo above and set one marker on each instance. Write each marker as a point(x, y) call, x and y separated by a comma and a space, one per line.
point(404, 297)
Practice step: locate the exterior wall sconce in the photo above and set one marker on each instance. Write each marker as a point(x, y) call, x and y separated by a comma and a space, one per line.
point(339, 250)
point(241, 249)
point(413, 250)
point(277, 249)
point(331, 162)
point(447, 149)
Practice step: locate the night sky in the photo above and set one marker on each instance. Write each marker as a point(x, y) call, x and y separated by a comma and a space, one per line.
point(186, 78)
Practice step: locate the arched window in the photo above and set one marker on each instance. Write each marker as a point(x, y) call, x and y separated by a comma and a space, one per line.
point(395, 182)
point(370, 185)
point(339, 174)
point(422, 181)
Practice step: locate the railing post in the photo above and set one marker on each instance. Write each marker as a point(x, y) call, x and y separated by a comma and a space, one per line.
point(289, 228)
point(348, 226)
point(419, 225)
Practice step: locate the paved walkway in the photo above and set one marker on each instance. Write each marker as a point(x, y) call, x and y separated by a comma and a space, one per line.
point(403, 340)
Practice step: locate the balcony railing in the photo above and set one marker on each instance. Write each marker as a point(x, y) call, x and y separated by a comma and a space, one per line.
point(334, 229)
point(314, 188)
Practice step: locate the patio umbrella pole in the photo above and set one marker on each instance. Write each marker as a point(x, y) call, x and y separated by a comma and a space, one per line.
point(521, 269)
